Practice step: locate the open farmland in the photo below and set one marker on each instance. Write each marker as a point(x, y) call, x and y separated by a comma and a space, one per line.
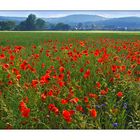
point(70, 80)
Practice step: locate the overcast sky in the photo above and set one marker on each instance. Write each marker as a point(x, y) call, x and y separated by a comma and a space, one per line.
point(53, 13)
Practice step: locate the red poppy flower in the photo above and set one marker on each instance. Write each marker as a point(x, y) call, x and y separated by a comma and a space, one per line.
point(22, 105)
point(43, 65)
point(53, 108)
point(10, 82)
point(2, 56)
point(87, 73)
point(8, 76)
point(26, 112)
point(129, 72)
point(45, 78)
point(50, 93)
point(98, 84)
point(12, 57)
point(17, 49)
point(67, 116)
point(82, 43)
point(43, 97)
point(18, 76)
point(23, 66)
point(117, 76)
point(15, 71)
point(114, 68)
point(81, 70)
point(79, 108)
point(61, 76)
point(95, 96)
point(123, 68)
point(96, 53)
point(74, 100)
point(100, 60)
point(93, 113)
point(5, 66)
point(34, 83)
point(61, 69)
point(63, 101)
point(86, 99)
point(120, 94)
point(72, 112)
point(103, 92)
point(61, 83)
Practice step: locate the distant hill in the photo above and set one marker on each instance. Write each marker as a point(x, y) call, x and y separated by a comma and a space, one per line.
point(99, 22)
point(91, 21)
point(129, 22)
point(76, 19)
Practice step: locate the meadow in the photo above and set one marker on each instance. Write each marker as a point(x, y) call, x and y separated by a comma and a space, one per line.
point(70, 80)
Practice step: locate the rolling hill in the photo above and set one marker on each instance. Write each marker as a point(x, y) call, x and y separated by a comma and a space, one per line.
point(129, 22)
point(16, 19)
point(98, 22)
point(76, 19)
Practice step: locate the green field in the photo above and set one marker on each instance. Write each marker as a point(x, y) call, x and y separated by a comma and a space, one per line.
point(29, 37)
point(70, 80)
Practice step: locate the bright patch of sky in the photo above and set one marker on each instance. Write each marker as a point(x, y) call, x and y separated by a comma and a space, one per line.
point(53, 13)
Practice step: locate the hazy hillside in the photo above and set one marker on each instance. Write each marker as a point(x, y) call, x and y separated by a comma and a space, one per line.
point(16, 19)
point(76, 19)
point(130, 22)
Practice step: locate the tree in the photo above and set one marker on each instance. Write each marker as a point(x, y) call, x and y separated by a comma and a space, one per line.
point(80, 26)
point(40, 24)
point(62, 26)
point(21, 26)
point(31, 22)
point(51, 26)
point(7, 25)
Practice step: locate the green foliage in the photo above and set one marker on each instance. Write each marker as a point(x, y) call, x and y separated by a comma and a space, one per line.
point(31, 24)
point(61, 26)
point(40, 24)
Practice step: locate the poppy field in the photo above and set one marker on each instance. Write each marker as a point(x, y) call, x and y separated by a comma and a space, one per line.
point(69, 80)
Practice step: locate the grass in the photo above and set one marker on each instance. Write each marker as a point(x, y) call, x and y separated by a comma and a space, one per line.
point(29, 38)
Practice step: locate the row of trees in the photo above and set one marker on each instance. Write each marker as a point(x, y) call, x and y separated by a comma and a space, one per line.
point(32, 23)
point(59, 26)
point(7, 25)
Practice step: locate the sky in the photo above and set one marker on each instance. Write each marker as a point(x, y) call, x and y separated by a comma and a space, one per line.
point(60, 13)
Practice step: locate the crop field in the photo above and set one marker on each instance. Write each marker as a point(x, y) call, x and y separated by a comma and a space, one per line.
point(69, 80)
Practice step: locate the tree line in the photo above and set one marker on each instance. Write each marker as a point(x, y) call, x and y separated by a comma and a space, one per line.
point(32, 23)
